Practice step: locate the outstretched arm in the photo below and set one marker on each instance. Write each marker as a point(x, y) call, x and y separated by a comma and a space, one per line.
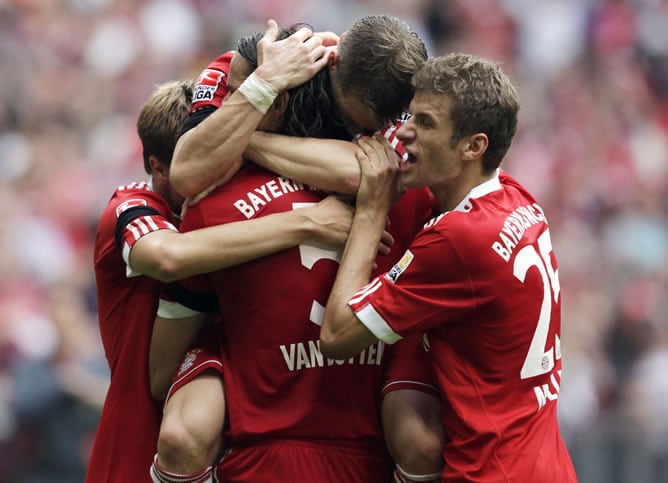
point(167, 255)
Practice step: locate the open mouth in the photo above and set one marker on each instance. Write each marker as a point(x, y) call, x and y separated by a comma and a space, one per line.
point(411, 158)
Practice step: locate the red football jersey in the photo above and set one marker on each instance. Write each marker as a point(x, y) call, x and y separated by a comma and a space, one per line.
point(277, 382)
point(128, 429)
point(278, 385)
point(481, 281)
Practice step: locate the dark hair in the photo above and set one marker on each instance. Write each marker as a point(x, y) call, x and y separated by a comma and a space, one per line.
point(311, 109)
point(377, 59)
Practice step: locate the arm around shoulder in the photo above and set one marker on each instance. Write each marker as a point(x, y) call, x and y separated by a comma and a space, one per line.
point(168, 255)
point(327, 164)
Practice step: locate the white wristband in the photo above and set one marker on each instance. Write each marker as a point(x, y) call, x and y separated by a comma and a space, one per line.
point(258, 92)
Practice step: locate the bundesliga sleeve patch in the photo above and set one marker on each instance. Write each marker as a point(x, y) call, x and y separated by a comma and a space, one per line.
point(126, 205)
point(399, 268)
point(207, 85)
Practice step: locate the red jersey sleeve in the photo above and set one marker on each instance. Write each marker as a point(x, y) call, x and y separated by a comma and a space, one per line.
point(390, 133)
point(211, 85)
point(407, 299)
point(139, 211)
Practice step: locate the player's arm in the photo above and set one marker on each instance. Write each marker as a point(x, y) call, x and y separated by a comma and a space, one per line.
point(414, 433)
point(168, 255)
point(342, 334)
point(211, 150)
point(328, 164)
point(170, 340)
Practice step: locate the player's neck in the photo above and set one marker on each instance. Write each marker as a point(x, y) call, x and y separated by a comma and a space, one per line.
point(452, 193)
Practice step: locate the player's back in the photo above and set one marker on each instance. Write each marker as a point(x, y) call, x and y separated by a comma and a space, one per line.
point(279, 384)
point(280, 390)
point(127, 432)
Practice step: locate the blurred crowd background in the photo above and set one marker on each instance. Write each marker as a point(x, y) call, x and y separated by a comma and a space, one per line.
point(592, 147)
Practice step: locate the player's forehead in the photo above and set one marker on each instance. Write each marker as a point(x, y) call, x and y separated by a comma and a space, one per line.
point(432, 108)
point(239, 70)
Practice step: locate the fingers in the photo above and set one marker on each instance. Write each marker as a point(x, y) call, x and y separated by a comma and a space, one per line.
point(385, 244)
point(328, 38)
point(373, 152)
point(291, 61)
point(387, 239)
point(271, 33)
point(332, 54)
point(304, 34)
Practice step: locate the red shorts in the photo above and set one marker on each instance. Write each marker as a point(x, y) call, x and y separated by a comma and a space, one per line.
point(410, 367)
point(195, 362)
point(296, 461)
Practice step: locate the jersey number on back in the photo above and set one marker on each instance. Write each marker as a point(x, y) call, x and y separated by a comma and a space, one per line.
point(538, 360)
point(309, 254)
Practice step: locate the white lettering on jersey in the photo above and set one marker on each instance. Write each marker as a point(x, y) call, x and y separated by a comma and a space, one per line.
point(548, 392)
point(307, 355)
point(207, 85)
point(434, 220)
point(137, 185)
point(514, 227)
point(262, 195)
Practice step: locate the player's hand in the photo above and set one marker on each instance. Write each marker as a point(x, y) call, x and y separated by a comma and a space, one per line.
point(331, 219)
point(379, 186)
point(329, 39)
point(385, 243)
point(292, 61)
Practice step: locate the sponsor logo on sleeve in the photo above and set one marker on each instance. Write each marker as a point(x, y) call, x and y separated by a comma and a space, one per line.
point(126, 205)
point(399, 268)
point(207, 85)
point(188, 361)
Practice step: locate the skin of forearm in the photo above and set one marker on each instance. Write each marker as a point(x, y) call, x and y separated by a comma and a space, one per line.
point(206, 153)
point(342, 334)
point(167, 255)
point(327, 164)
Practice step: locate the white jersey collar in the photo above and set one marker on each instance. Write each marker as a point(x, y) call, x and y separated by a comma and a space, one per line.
point(478, 192)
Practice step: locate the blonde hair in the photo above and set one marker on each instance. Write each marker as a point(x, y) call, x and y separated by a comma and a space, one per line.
point(161, 119)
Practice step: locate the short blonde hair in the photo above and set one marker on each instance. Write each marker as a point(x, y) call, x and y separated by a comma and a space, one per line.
point(161, 119)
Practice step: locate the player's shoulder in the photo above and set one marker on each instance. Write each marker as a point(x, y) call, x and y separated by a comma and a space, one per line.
point(468, 222)
point(222, 62)
point(136, 195)
point(211, 85)
point(139, 190)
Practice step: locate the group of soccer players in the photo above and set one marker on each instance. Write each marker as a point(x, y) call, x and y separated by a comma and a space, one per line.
point(295, 369)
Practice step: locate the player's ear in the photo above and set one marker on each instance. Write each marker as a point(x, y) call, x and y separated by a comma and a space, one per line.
point(158, 168)
point(475, 146)
point(280, 103)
